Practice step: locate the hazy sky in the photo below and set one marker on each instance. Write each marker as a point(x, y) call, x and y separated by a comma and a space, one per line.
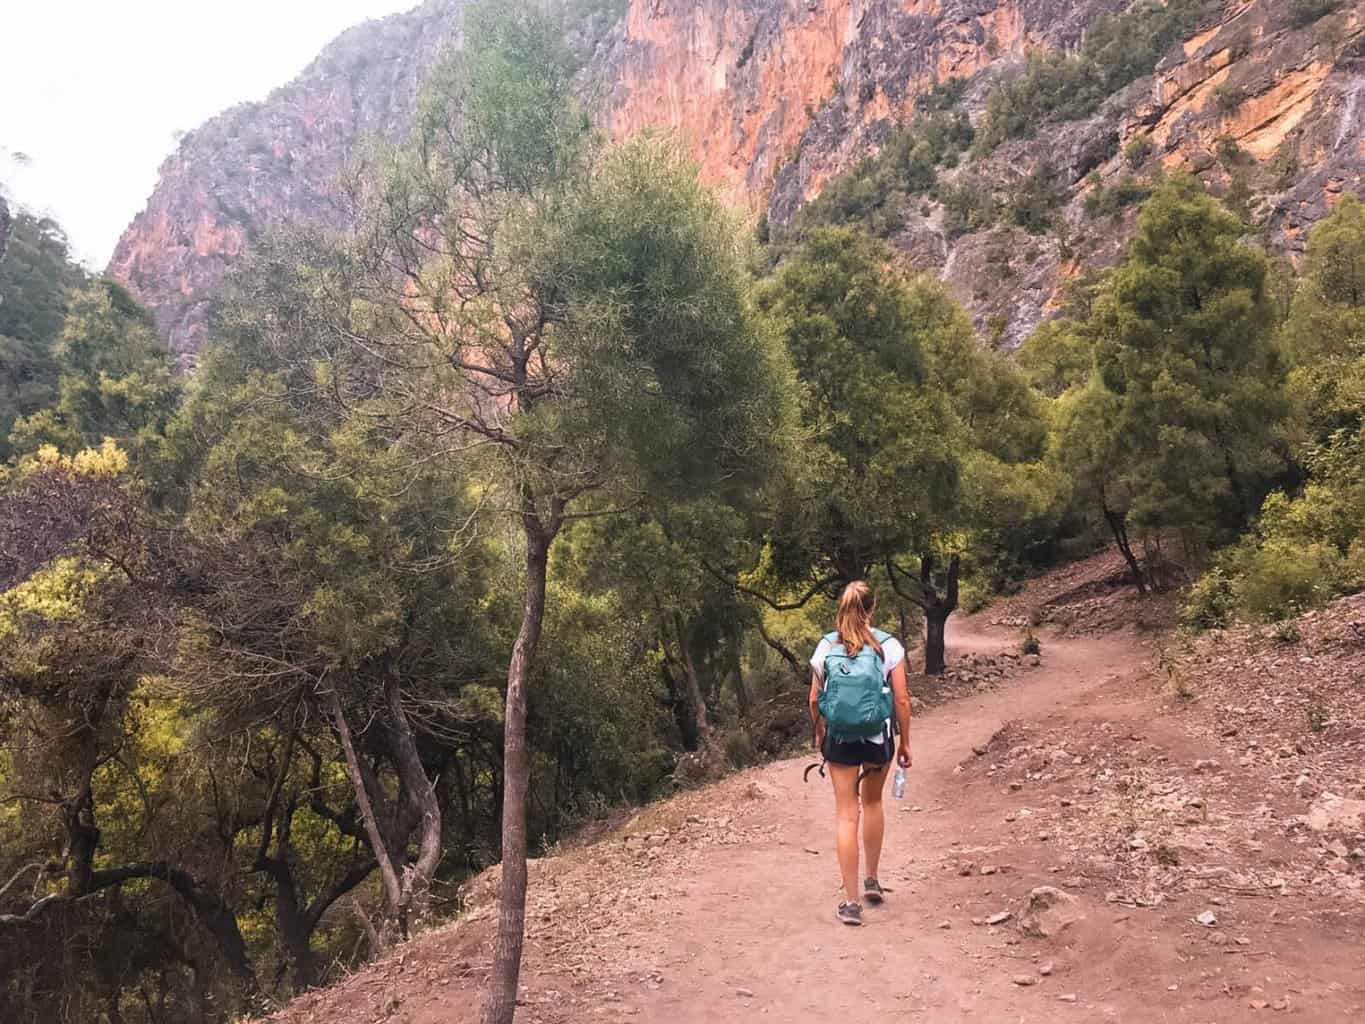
point(92, 92)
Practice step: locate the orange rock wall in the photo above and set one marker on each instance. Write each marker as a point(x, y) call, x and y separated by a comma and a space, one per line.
point(741, 82)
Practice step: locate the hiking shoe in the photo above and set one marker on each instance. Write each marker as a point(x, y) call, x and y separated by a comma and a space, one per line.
point(850, 913)
point(872, 891)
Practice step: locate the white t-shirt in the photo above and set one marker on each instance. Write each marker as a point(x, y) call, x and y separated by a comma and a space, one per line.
point(892, 655)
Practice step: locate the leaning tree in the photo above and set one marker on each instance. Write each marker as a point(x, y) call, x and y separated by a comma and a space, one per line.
point(559, 322)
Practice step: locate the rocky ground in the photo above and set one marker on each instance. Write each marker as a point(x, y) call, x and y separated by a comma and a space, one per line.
point(1131, 829)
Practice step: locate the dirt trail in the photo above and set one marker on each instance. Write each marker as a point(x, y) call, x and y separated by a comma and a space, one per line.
point(762, 921)
point(718, 906)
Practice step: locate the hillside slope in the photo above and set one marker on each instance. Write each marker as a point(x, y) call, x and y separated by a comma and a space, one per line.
point(1083, 774)
point(776, 97)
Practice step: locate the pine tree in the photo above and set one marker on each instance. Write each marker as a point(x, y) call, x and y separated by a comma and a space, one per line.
point(1181, 427)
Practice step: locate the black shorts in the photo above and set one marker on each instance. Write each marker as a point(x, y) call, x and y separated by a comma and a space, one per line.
point(856, 753)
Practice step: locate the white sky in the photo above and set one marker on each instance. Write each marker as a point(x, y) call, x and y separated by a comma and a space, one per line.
point(92, 92)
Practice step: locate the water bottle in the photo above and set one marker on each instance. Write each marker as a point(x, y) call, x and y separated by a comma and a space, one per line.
point(898, 783)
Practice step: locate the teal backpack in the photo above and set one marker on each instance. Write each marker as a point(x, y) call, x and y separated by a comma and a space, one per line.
point(856, 702)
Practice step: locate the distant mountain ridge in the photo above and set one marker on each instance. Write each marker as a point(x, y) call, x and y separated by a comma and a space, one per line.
point(776, 98)
point(262, 164)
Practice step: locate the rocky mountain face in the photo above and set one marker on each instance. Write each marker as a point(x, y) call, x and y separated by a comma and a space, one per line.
point(263, 164)
point(776, 99)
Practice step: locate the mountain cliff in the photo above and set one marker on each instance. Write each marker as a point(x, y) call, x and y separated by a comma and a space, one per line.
point(783, 100)
point(262, 164)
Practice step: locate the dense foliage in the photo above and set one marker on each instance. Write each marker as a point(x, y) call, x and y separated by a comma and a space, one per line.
point(1118, 49)
point(872, 195)
point(35, 276)
point(1308, 543)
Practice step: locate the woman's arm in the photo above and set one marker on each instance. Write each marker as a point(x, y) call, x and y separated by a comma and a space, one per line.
point(816, 721)
point(900, 691)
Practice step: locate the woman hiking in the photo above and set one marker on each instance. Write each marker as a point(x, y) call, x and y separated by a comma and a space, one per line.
point(860, 707)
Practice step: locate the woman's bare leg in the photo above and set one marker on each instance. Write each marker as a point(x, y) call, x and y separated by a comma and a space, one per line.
point(874, 820)
point(845, 780)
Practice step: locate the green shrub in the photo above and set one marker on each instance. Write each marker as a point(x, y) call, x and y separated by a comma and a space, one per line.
point(1229, 97)
point(1229, 153)
point(1285, 167)
point(1104, 201)
point(1052, 87)
point(1031, 206)
point(1305, 12)
point(943, 97)
point(1138, 151)
point(1279, 579)
point(872, 195)
point(1210, 603)
point(969, 205)
point(1031, 644)
point(1119, 49)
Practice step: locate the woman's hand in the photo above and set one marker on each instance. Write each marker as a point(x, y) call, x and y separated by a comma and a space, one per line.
point(903, 757)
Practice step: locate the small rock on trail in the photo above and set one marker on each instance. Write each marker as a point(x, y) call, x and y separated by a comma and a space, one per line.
point(1332, 813)
point(1050, 911)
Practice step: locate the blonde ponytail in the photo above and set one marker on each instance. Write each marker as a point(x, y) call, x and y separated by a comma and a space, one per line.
point(853, 620)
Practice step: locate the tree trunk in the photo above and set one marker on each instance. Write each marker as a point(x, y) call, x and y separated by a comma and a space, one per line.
point(417, 877)
point(679, 705)
point(799, 668)
point(935, 632)
point(937, 608)
point(695, 698)
point(1120, 531)
point(742, 697)
point(502, 983)
point(393, 889)
point(297, 938)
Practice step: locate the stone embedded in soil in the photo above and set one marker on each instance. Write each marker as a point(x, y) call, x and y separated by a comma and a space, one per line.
point(744, 993)
point(1207, 918)
point(1330, 812)
point(1025, 980)
point(1070, 997)
point(1050, 911)
point(1046, 969)
point(999, 918)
